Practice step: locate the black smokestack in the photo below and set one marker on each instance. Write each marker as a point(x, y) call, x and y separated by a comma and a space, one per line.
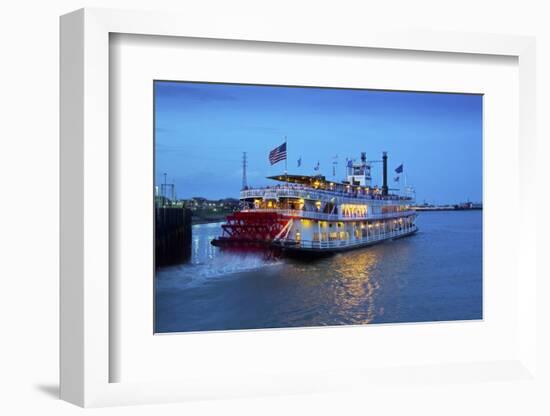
point(385, 173)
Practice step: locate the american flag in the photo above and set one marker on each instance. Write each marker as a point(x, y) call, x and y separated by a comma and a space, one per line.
point(277, 154)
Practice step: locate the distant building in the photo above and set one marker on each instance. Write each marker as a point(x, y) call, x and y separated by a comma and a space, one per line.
point(201, 204)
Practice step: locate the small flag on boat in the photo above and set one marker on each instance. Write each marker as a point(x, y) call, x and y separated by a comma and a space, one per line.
point(350, 163)
point(399, 169)
point(300, 161)
point(316, 166)
point(396, 179)
point(277, 154)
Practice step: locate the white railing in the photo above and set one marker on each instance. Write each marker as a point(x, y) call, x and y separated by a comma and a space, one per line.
point(352, 242)
point(313, 215)
point(297, 213)
point(318, 195)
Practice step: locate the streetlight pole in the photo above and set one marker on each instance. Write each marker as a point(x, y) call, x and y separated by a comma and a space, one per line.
point(164, 192)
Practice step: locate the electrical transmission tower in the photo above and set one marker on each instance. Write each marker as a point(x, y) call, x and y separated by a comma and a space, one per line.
point(245, 164)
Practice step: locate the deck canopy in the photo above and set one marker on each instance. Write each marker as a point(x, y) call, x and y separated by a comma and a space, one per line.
point(319, 182)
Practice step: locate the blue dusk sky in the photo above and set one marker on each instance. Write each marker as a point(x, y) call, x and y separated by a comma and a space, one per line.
point(202, 129)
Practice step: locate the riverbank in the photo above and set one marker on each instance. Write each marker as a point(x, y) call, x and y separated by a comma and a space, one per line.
point(199, 220)
point(445, 208)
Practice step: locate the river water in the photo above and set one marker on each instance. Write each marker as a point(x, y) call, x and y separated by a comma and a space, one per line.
point(435, 275)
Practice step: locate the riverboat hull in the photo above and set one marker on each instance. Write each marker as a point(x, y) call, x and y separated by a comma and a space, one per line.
point(295, 249)
point(292, 249)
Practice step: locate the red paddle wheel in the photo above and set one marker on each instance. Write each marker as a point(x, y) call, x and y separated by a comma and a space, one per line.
point(256, 227)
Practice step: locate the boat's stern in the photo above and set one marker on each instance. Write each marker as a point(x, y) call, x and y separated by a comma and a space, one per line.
point(251, 228)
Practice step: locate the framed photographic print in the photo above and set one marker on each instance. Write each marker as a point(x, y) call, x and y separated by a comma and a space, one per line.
point(263, 211)
point(269, 213)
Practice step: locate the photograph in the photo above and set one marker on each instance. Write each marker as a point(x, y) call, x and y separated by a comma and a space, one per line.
point(298, 206)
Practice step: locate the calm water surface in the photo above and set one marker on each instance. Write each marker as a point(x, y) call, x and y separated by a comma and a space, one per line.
point(435, 275)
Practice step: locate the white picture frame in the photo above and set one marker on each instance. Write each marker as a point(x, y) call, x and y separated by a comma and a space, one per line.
point(85, 211)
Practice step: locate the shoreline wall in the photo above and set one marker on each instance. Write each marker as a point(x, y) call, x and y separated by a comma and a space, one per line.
point(172, 235)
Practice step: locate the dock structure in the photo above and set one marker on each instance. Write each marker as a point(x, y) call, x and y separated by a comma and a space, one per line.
point(172, 235)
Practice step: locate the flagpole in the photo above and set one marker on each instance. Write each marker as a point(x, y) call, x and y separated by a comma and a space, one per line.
point(286, 160)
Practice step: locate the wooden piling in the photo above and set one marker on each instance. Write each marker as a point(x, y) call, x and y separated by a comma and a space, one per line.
point(172, 235)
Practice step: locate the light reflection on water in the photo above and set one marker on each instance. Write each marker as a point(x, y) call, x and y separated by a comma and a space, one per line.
point(435, 275)
point(201, 249)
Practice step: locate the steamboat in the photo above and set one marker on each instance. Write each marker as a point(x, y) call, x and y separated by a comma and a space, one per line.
point(311, 215)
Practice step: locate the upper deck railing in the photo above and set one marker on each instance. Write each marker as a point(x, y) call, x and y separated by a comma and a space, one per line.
point(304, 192)
point(321, 216)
